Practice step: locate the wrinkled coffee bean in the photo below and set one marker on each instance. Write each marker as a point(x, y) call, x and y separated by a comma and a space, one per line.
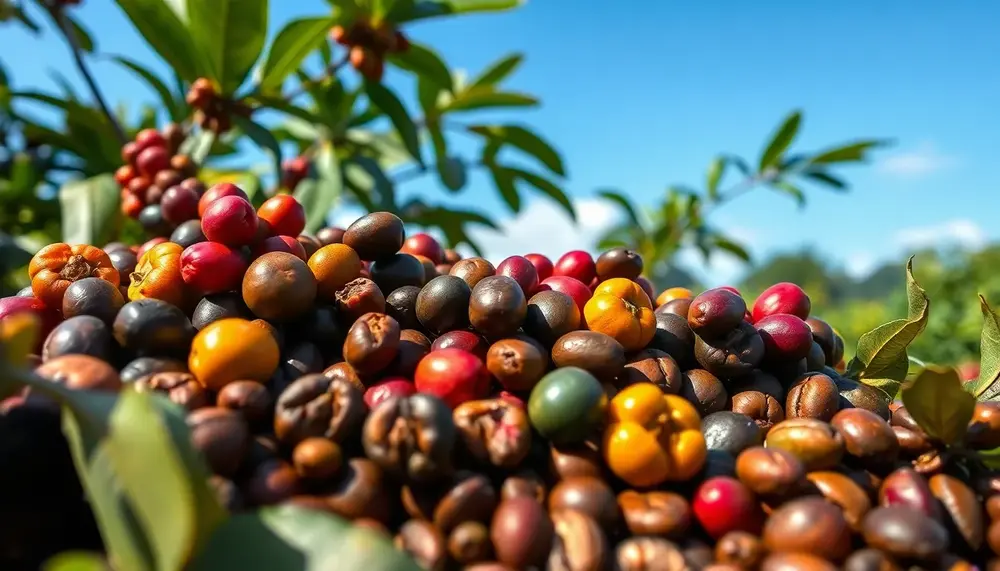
point(770, 472)
point(181, 388)
point(905, 533)
point(494, 431)
point(812, 441)
point(315, 405)
point(578, 543)
point(663, 514)
point(587, 495)
point(652, 366)
point(411, 437)
point(813, 395)
point(735, 354)
point(424, 543)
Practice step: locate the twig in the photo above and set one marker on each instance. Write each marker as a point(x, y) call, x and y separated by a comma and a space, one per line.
point(410, 174)
point(81, 65)
point(328, 72)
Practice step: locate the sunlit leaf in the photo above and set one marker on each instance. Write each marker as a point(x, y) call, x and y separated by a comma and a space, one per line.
point(728, 245)
point(527, 141)
point(498, 71)
point(167, 98)
point(421, 9)
point(623, 203)
point(387, 101)
point(548, 188)
point(76, 561)
point(296, 40)
point(791, 190)
point(503, 178)
point(475, 99)
point(167, 34)
point(826, 179)
point(263, 138)
point(229, 36)
point(986, 386)
point(426, 63)
point(318, 197)
point(89, 210)
point(939, 404)
point(780, 141)
point(849, 153)
point(715, 170)
point(82, 36)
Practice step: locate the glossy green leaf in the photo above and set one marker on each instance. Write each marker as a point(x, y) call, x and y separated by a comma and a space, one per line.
point(939, 404)
point(987, 387)
point(175, 108)
point(503, 178)
point(291, 538)
point(167, 34)
point(296, 40)
point(791, 190)
point(319, 196)
point(229, 35)
point(728, 245)
point(623, 203)
point(714, 175)
point(424, 62)
point(381, 8)
point(82, 36)
point(263, 138)
point(780, 141)
point(422, 9)
point(849, 153)
point(548, 188)
point(826, 179)
point(89, 210)
point(527, 141)
point(382, 97)
point(479, 98)
point(879, 351)
point(198, 146)
point(76, 561)
point(498, 71)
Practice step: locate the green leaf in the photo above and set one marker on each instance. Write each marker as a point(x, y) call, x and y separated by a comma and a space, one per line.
point(624, 203)
point(293, 538)
point(76, 561)
point(986, 386)
point(728, 245)
point(880, 350)
point(525, 140)
point(167, 34)
point(498, 71)
point(849, 153)
point(23, 17)
point(826, 179)
point(791, 190)
point(83, 37)
point(424, 62)
point(452, 173)
point(318, 196)
point(381, 8)
point(293, 43)
point(780, 142)
point(548, 188)
point(171, 103)
point(715, 170)
point(263, 138)
point(422, 9)
point(939, 404)
point(382, 97)
point(479, 98)
point(503, 178)
point(198, 146)
point(230, 36)
point(89, 210)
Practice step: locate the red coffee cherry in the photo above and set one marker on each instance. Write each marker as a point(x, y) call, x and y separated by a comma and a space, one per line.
point(453, 375)
point(522, 271)
point(424, 245)
point(218, 191)
point(576, 264)
point(151, 161)
point(574, 288)
point(148, 138)
point(124, 175)
point(283, 215)
point(388, 388)
point(179, 204)
point(280, 244)
point(782, 297)
point(210, 267)
point(786, 337)
point(723, 504)
point(716, 312)
point(230, 220)
point(543, 265)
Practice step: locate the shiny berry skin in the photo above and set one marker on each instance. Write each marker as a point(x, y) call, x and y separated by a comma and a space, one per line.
point(146, 246)
point(574, 288)
point(723, 504)
point(425, 245)
point(151, 161)
point(48, 317)
point(453, 375)
point(732, 289)
point(782, 297)
point(522, 271)
point(464, 340)
point(280, 244)
point(511, 398)
point(716, 312)
point(179, 204)
point(576, 264)
point(230, 220)
point(786, 337)
point(129, 151)
point(543, 265)
point(210, 267)
point(283, 215)
point(388, 388)
point(648, 287)
point(124, 175)
point(218, 191)
point(148, 138)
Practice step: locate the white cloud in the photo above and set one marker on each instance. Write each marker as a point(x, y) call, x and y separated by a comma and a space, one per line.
point(860, 264)
point(924, 160)
point(960, 232)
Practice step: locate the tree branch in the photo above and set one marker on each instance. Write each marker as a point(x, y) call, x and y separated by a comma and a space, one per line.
point(327, 73)
point(67, 31)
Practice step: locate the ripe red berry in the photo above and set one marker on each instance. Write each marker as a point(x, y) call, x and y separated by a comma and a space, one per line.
point(786, 337)
point(280, 244)
point(723, 504)
point(522, 271)
point(151, 161)
point(124, 175)
point(388, 388)
point(283, 214)
point(576, 264)
point(572, 287)
point(425, 245)
point(218, 191)
point(453, 375)
point(782, 297)
point(179, 204)
point(543, 265)
point(210, 267)
point(148, 138)
point(146, 246)
point(130, 150)
point(230, 220)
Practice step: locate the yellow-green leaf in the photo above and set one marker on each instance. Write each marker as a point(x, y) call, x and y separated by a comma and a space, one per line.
point(296, 40)
point(76, 561)
point(780, 141)
point(986, 386)
point(498, 71)
point(715, 170)
point(527, 141)
point(383, 98)
point(229, 36)
point(939, 404)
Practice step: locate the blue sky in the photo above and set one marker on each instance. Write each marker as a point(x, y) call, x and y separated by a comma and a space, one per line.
point(640, 95)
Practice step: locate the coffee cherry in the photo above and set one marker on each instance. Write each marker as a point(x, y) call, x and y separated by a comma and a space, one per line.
point(722, 504)
point(782, 297)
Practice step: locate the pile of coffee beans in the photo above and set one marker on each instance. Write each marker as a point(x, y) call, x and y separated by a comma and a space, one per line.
point(534, 414)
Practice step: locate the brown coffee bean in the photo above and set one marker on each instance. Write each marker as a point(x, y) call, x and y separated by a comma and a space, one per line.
point(470, 543)
point(770, 472)
point(522, 533)
point(911, 443)
point(578, 543)
point(984, 427)
point(467, 496)
point(344, 372)
point(424, 543)
point(517, 364)
point(993, 537)
point(181, 388)
point(652, 366)
point(473, 270)
point(525, 484)
point(413, 346)
point(739, 548)
point(663, 514)
point(734, 354)
point(870, 560)
point(842, 491)
point(551, 314)
point(795, 562)
point(358, 297)
point(812, 441)
point(317, 458)
point(648, 554)
point(905, 533)
point(808, 525)
point(573, 460)
point(868, 439)
point(315, 405)
point(587, 495)
point(599, 354)
point(962, 507)
point(704, 390)
point(813, 395)
point(494, 431)
point(272, 482)
point(222, 436)
point(372, 343)
point(81, 372)
point(361, 491)
point(411, 437)
point(249, 398)
point(993, 507)
point(905, 487)
point(764, 409)
point(375, 235)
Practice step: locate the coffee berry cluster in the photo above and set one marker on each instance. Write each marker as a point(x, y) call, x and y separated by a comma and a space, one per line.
point(152, 166)
point(369, 45)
